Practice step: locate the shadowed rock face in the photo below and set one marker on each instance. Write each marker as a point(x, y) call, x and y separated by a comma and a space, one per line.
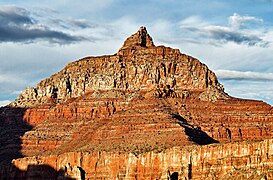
point(131, 111)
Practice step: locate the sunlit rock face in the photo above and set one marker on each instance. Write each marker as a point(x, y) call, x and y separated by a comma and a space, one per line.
point(138, 66)
point(239, 160)
point(146, 112)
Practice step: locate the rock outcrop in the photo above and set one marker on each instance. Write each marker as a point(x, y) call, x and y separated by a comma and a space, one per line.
point(146, 112)
point(140, 39)
point(139, 65)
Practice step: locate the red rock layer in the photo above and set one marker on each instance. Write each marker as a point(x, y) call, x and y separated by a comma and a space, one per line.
point(245, 160)
point(146, 122)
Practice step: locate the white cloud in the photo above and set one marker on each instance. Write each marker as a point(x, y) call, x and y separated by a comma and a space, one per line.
point(239, 75)
point(4, 103)
point(191, 20)
point(237, 21)
point(259, 90)
point(236, 32)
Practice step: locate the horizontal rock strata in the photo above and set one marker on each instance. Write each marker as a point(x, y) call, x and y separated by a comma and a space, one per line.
point(245, 160)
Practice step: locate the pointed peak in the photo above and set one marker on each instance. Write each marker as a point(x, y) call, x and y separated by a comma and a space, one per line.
point(141, 39)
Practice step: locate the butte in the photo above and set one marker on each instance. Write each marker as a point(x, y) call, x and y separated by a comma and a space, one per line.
point(146, 112)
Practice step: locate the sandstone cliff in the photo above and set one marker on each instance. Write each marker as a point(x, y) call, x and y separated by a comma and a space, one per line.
point(145, 112)
point(245, 160)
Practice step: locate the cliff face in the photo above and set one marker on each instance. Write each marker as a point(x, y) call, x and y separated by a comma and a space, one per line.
point(146, 112)
point(245, 160)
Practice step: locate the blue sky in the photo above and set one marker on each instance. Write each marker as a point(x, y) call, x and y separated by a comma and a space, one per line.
point(234, 38)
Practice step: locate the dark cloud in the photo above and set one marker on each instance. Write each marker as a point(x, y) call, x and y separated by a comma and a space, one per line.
point(226, 35)
point(17, 25)
point(14, 15)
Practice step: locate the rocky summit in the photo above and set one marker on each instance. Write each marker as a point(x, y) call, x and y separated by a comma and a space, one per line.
point(146, 112)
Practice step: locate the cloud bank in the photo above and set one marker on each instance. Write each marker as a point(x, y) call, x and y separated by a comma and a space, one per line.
point(237, 21)
point(237, 31)
point(17, 25)
point(239, 75)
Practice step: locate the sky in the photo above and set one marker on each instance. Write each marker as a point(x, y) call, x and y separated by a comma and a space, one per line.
point(233, 38)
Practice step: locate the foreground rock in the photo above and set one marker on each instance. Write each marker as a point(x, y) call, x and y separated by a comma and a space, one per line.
point(146, 112)
point(245, 160)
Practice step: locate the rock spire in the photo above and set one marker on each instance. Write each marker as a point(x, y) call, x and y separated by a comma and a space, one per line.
point(140, 39)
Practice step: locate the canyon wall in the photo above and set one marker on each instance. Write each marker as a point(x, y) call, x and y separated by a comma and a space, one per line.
point(244, 160)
